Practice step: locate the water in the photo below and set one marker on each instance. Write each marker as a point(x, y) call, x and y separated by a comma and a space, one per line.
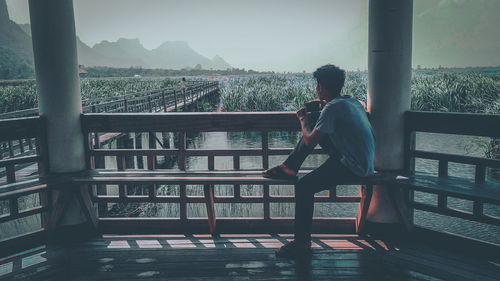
point(463, 145)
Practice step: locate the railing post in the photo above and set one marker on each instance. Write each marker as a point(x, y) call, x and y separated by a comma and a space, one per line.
point(152, 162)
point(175, 100)
point(163, 101)
point(138, 145)
point(209, 197)
point(184, 93)
point(236, 166)
point(265, 150)
point(181, 158)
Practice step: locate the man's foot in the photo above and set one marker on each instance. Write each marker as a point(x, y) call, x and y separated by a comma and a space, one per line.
point(280, 172)
point(294, 250)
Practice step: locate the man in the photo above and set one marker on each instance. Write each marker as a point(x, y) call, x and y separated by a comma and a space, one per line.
point(343, 130)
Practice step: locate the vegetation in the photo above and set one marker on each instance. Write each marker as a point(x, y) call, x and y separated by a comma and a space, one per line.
point(103, 71)
point(12, 66)
point(442, 91)
point(17, 96)
point(452, 92)
point(449, 92)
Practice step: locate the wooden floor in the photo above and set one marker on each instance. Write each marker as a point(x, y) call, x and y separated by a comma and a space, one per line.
point(243, 257)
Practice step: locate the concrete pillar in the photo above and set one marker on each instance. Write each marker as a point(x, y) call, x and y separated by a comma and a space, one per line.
point(389, 75)
point(56, 66)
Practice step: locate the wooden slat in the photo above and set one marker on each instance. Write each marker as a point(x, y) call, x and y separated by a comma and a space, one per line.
point(480, 175)
point(11, 173)
point(267, 202)
point(19, 113)
point(453, 123)
point(456, 213)
point(201, 122)
point(456, 158)
point(453, 186)
point(265, 150)
point(183, 202)
point(23, 241)
point(477, 209)
point(21, 189)
point(224, 225)
point(13, 207)
point(443, 168)
point(209, 202)
point(219, 199)
point(19, 160)
point(181, 156)
point(24, 213)
point(195, 152)
point(236, 162)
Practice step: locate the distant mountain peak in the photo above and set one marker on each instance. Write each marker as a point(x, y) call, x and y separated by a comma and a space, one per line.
point(175, 44)
point(4, 12)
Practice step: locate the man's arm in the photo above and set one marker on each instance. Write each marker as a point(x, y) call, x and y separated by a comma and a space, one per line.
point(311, 138)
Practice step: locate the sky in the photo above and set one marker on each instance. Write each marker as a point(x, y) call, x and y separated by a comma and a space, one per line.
point(288, 35)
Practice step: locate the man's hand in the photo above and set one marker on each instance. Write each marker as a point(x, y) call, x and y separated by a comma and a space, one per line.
point(302, 114)
point(314, 105)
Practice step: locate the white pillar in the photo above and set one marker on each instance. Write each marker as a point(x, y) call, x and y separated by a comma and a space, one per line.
point(56, 66)
point(389, 75)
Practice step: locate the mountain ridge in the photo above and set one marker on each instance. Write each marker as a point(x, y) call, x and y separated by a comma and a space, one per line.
point(16, 57)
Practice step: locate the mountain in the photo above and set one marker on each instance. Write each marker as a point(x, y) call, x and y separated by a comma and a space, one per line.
point(169, 55)
point(122, 53)
point(16, 54)
point(220, 63)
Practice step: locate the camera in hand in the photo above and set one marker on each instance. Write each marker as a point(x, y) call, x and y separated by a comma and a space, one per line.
point(313, 106)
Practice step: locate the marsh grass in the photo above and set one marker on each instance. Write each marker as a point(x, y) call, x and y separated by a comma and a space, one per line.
point(446, 92)
point(24, 96)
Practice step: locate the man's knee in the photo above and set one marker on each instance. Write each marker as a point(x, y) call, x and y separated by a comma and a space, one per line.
point(302, 186)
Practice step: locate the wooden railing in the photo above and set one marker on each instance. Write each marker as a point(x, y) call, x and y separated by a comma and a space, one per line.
point(30, 190)
point(167, 99)
point(183, 124)
point(30, 130)
point(478, 190)
point(162, 100)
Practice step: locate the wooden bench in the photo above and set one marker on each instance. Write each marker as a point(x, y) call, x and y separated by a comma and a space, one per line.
point(208, 179)
point(478, 190)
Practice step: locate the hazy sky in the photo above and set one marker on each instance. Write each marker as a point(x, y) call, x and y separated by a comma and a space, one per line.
point(272, 34)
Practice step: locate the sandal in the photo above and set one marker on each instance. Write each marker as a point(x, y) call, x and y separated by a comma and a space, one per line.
point(294, 250)
point(278, 173)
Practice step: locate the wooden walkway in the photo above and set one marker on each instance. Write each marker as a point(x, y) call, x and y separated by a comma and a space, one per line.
point(244, 257)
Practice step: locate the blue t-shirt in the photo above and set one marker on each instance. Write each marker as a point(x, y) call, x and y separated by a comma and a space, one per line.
point(344, 120)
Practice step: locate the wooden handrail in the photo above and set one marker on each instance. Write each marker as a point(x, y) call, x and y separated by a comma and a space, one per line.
point(88, 105)
point(260, 122)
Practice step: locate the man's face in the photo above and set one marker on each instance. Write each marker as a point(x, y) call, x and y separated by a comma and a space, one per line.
point(320, 91)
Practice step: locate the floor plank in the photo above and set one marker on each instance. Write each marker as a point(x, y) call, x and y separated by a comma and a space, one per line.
point(162, 257)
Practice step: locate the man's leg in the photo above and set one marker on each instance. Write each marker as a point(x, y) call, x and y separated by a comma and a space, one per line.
point(324, 177)
point(301, 151)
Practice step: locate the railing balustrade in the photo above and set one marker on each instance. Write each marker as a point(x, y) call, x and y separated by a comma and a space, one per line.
point(30, 131)
point(166, 99)
point(183, 124)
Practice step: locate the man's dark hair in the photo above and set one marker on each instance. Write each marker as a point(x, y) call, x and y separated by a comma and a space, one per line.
point(331, 78)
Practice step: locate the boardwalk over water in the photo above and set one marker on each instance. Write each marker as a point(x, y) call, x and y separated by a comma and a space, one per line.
point(156, 101)
point(246, 257)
